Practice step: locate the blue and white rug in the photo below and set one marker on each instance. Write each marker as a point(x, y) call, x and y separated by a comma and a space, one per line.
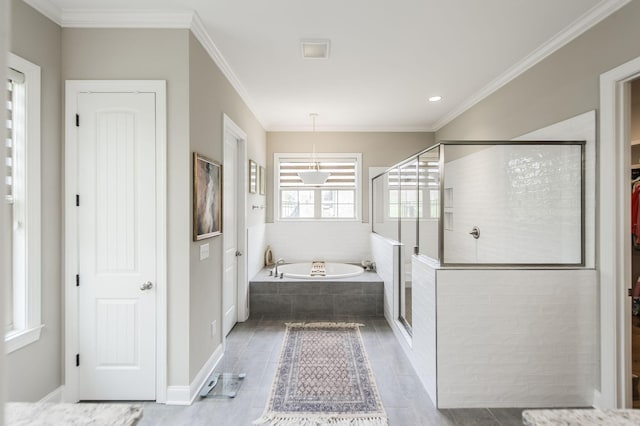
point(324, 378)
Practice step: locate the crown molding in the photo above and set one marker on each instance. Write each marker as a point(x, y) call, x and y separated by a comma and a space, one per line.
point(592, 17)
point(120, 18)
point(48, 9)
point(200, 33)
point(348, 129)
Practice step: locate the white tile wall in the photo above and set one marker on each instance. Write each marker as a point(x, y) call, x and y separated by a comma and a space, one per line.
point(424, 323)
point(256, 246)
point(329, 241)
point(516, 338)
point(384, 255)
point(579, 128)
point(519, 197)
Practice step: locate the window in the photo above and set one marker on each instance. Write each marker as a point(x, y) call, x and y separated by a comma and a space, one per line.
point(336, 199)
point(22, 193)
point(412, 188)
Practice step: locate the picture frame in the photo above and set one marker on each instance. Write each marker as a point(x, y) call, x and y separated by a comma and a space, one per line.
point(253, 177)
point(262, 180)
point(207, 197)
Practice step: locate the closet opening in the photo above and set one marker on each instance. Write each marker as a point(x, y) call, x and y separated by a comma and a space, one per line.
point(634, 136)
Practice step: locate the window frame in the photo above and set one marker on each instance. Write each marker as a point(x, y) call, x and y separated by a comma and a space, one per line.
point(355, 156)
point(27, 300)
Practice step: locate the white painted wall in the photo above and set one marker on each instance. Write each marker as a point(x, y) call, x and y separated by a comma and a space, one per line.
point(329, 241)
point(516, 338)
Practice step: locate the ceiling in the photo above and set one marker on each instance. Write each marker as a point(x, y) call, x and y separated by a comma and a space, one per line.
point(386, 58)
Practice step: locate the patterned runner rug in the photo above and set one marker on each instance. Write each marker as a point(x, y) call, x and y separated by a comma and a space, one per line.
point(323, 378)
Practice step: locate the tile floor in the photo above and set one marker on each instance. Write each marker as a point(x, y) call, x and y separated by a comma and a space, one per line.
point(253, 347)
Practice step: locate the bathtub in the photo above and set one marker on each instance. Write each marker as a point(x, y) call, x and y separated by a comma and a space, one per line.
point(333, 271)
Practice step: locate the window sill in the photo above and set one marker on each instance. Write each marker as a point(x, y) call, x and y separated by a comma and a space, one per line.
point(19, 339)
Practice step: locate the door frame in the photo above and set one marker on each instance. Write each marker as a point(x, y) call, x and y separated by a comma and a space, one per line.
point(229, 127)
point(71, 342)
point(614, 254)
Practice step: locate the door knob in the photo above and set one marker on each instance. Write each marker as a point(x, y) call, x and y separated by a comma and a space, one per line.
point(238, 253)
point(146, 285)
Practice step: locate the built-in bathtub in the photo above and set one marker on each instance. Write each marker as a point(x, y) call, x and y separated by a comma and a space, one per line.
point(332, 271)
point(361, 295)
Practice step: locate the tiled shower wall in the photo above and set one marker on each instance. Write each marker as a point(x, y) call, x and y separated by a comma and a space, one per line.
point(526, 200)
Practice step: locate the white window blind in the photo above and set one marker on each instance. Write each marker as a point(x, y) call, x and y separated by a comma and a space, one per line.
point(343, 172)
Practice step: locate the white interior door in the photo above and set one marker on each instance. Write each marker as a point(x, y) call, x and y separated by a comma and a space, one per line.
point(230, 235)
point(116, 246)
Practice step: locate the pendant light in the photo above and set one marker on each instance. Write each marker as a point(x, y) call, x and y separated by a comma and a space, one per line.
point(314, 176)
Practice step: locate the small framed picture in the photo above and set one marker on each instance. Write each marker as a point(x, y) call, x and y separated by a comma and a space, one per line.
point(207, 197)
point(253, 177)
point(263, 180)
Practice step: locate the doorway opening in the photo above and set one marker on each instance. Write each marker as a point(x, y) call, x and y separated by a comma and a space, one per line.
point(615, 255)
point(634, 142)
point(235, 285)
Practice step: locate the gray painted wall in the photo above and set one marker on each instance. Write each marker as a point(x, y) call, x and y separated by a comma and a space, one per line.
point(562, 86)
point(210, 96)
point(107, 54)
point(35, 370)
point(378, 149)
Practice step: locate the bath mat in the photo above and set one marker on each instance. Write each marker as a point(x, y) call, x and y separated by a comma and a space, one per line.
point(323, 378)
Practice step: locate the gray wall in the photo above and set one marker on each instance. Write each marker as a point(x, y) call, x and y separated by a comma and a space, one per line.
point(152, 54)
point(210, 96)
point(378, 149)
point(35, 370)
point(562, 86)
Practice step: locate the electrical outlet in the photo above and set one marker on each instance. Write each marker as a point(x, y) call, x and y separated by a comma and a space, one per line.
point(214, 329)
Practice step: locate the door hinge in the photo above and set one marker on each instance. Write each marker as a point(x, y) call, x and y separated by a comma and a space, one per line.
point(77, 200)
point(629, 293)
point(77, 280)
point(77, 120)
point(77, 360)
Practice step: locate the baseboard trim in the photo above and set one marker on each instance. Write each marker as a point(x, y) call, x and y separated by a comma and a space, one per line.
point(178, 395)
point(185, 395)
point(205, 372)
point(57, 395)
point(597, 399)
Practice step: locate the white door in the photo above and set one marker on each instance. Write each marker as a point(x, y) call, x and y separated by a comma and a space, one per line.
point(116, 246)
point(230, 235)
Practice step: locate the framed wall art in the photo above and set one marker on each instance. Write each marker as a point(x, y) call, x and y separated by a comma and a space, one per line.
point(253, 177)
point(207, 197)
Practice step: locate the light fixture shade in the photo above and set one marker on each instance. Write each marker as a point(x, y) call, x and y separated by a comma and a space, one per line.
point(314, 177)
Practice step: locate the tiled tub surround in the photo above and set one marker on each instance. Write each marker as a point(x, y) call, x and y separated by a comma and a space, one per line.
point(361, 295)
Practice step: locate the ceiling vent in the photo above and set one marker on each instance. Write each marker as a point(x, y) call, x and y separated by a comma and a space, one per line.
point(315, 49)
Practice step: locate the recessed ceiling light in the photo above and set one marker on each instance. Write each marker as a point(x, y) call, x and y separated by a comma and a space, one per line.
point(315, 49)
point(435, 98)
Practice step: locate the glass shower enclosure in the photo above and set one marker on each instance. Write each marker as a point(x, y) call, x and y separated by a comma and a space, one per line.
point(483, 203)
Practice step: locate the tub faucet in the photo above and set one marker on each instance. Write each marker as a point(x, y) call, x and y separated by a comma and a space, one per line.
point(278, 262)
